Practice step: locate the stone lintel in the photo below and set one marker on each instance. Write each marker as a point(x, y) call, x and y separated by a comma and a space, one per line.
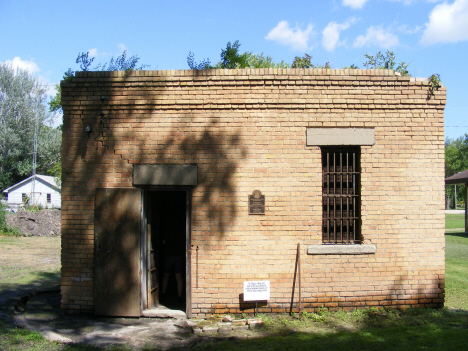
point(340, 136)
point(174, 175)
point(341, 249)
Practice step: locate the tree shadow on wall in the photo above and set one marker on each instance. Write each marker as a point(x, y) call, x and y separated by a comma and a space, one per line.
point(116, 125)
point(216, 154)
point(102, 146)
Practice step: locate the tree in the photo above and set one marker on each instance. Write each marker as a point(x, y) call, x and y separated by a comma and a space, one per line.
point(22, 105)
point(302, 62)
point(55, 103)
point(386, 61)
point(120, 63)
point(204, 64)
point(456, 160)
point(232, 58)
point(261, 61)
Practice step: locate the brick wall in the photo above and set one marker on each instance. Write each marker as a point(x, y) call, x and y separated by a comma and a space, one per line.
point(246, 130)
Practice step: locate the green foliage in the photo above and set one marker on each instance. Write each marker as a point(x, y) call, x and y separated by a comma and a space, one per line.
point(55, 102)
point(434, 84)
point(306, 62)
point(261, 61)
point(231, 58)
point(302, 62)
point(56, 172)
point(204, 64)
point(22, 102)
point(121, 63)
point(456, 160)
point(68, 75)
point(2, 218)
point(4, 228)
point(386, 61)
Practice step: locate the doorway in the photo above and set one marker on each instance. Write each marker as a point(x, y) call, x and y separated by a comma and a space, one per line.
point(167, 249)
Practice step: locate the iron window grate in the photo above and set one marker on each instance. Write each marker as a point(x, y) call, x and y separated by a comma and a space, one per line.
point(341, 186)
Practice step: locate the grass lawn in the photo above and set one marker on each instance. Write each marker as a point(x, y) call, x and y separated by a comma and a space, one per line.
point(454, 221)
point(456, 270)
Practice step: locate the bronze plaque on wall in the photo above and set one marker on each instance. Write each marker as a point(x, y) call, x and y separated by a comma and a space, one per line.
point(256, 203)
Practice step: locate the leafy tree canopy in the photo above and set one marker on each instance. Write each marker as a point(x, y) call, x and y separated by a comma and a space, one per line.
point(55, 102)
point(22, 105)
point(456, 160)
point(386, 61)
point(232, 58)
point(120, 63)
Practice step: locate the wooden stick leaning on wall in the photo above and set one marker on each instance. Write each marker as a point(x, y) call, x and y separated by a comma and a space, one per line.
point(297, 272)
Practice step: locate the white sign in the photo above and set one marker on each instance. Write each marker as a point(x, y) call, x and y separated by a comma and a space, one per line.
point(257, 290)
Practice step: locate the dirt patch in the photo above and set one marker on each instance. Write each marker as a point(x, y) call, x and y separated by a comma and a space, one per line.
point(41, 223)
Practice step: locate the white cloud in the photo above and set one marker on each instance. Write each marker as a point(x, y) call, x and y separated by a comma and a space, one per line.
point(93, 52)
point(407, 30)
point(447, 23)
point(376, 36)
point(331, 34)
point(409, 2)
point(122, 47)
point(406, 2)
point(296, 38)
point(17, 62)
point(355, 4)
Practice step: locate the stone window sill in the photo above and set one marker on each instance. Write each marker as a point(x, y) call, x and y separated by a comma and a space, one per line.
point(341, 249)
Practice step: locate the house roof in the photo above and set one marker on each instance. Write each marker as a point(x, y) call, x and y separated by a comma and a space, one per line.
point(459, 178)
point(45, 179)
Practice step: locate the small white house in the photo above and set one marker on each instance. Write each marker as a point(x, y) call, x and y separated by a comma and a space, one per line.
point(38, 190)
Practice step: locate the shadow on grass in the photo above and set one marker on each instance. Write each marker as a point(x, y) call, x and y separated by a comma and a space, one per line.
point(10, 294)
point(43, 281)
point(413, 329)
point(460, 234)
point(372, 329)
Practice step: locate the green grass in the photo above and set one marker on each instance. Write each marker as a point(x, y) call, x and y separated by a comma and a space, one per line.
point(370, 329)
point(454, 221)
point(456, 270)
point(29, 262)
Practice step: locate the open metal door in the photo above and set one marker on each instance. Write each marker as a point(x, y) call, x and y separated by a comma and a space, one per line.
point(117, 222)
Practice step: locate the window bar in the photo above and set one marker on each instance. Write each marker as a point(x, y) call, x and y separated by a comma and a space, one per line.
point(354, 218)
point(354, 173)
point(328, 173)
point(347, 216)
point(328, 219)
point(328, 197)
point(341, 196)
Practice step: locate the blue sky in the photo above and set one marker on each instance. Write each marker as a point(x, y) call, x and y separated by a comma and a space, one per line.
point(431, 35)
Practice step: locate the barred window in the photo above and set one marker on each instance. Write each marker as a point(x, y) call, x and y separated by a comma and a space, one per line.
point(341, 195)
point(49, 198)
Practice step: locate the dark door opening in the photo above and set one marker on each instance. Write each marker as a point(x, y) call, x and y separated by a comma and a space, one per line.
point(167, 233)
